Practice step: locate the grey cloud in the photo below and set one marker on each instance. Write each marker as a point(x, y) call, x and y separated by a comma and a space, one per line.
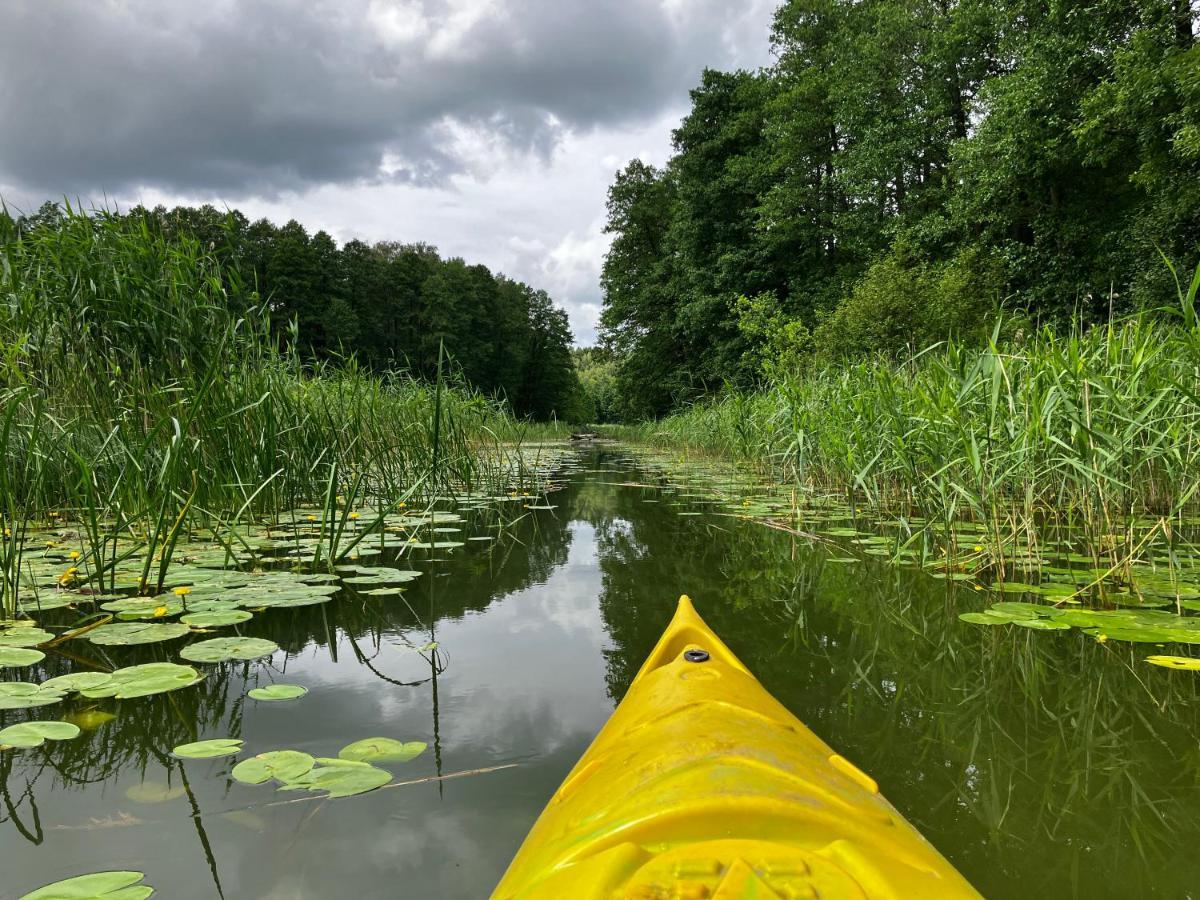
point(261, 97)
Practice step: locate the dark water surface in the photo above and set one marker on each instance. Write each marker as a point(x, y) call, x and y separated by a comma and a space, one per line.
point(1041, 764)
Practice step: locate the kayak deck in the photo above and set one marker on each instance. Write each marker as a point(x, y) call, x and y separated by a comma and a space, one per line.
point(702, 785)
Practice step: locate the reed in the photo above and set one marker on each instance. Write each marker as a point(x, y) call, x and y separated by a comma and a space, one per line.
point(143, 394)
point(1097, 430)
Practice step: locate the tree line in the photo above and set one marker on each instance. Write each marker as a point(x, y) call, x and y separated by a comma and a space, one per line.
point(387, 305)
point(902, 171)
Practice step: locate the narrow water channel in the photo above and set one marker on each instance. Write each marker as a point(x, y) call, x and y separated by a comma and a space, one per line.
point(1041, 764)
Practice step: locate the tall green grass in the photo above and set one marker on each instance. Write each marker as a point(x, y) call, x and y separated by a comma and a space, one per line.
point(1097, 429)
point(142, 393)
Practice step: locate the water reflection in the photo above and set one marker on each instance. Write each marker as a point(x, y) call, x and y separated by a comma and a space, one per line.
point(1041, 764)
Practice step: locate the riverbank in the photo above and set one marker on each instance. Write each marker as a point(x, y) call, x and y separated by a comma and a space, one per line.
point(1097, 432)
point(143, 396)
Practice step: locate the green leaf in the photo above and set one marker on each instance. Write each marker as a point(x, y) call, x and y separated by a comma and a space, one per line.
point(23, 695)
point(344, 780)
point(24, 636)
point(121, 634)
point(78, 681)
point(216, 618)
point(14, 657)
point(96, 886)
point(32, 734)
point(144, 680)
point(216, 650)
point(209, 749)
point(1169, 662)
point(381, 749)
point(282, 765)
point(278, 692)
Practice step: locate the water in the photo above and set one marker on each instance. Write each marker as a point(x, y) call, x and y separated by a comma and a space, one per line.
point(1041, 764)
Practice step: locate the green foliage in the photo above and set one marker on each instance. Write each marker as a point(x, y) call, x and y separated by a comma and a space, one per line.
point(1095, 429)
point(142, 386)
point(600, 397)
point(901, 302)
point(390, 306)
point(902, 167)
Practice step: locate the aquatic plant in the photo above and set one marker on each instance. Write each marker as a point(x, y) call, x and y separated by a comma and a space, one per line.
point(1097, 431)
point(143, 397)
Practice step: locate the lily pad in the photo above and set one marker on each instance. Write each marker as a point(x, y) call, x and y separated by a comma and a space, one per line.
point(340, 778)
point(216, 618)
point(1168, 662)
point(24, 636)
point(282, 765)
point(14, 657)
point(96, 886)
point(278, 692)
point(145, 680)
point(381, 749)
point(33, 734)
point(78, 681)
point(210, 749)
point(145, 607)
point(23, 695)
point(121, 634)
point(984, 618)
point(217, 650)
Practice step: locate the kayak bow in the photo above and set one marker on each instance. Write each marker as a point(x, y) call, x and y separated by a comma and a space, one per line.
point(702, 785)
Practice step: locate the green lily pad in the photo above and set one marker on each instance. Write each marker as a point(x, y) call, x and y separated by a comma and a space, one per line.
point(217, 650)
point(340, 778)
point(1169, 662)
point(48, 601)
point(23, 695)
point(144, 681)
point(289, 601)
point(210, 749)
point(984, 618)
point(24, 636)
point(32, 734)
point(278, 692)
point(282, 765)
point(96, 886)
point(216, 618)
point(122, 634)
point(145, 607)
point(1042, 624)
point(78, 681)
point(381, 749)
point(14, 657)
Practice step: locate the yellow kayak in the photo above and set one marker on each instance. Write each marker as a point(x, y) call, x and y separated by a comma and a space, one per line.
point(702, 785)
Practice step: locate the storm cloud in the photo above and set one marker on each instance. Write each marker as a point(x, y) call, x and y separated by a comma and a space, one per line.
point(277, 95)
point(488, 127)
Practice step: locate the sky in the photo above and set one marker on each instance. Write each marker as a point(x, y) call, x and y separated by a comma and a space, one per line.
point(488, 128)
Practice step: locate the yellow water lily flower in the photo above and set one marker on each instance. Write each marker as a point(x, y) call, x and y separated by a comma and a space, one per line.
point(353, 515)
point(182, 591)
point(159, 612)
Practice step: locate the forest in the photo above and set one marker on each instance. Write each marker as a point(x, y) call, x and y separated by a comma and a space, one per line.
point(907, 171)
point(388, 306)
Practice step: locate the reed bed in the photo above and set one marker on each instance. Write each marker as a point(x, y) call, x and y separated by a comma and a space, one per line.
point(143, 393)
point(1096, 430)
